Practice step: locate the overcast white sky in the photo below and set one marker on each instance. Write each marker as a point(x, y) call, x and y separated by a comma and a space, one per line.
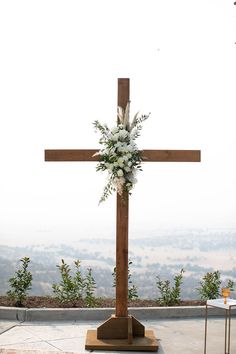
point(59, 65)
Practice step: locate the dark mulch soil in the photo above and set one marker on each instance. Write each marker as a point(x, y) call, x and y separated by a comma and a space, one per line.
point(50, 302)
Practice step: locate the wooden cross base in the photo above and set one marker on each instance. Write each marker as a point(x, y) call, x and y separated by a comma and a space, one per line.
point(121, 333)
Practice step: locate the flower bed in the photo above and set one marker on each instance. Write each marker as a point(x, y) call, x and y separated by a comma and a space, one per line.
point(51, 302)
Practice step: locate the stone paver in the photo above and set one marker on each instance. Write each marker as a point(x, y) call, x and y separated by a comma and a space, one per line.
point(183, 336)
point(6, 325)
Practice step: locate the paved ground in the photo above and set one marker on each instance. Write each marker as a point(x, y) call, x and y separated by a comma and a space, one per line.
point(185, 336)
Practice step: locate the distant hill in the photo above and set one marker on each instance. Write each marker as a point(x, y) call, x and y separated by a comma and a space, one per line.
point(157, 254)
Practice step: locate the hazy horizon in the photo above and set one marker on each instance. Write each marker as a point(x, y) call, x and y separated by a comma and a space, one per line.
point(59, 66)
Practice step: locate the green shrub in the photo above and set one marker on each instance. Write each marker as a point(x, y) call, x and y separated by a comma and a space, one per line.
point(70, 288)
point(73, 288)
point(211, 284)
point(89, 287)
point(170, 295)
point(132, 289)
point(20, 283)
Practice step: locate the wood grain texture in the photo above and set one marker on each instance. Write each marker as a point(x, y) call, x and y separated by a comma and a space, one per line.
point(123, 92)
point(171, 155)
point(147, 343)
point(147, 155)
point(71, 155)
point(118, 328)
point(122, 229)
point(122, 226)
point(130, 330)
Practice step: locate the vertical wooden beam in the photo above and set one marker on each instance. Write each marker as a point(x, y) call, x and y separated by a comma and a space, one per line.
point(122, 222)
point(123, 92)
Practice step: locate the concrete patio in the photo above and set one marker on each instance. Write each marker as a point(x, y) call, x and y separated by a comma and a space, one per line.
point(175, 336)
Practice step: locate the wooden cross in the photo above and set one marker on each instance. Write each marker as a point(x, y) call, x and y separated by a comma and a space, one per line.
point(112, 328)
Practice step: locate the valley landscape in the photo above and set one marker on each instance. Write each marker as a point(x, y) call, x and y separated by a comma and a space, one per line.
point(161, 253)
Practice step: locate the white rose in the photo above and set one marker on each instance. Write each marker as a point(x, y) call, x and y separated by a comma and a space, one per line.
point(115, 137)
point(123, 133)
point(128, 148)
point(114, 130)
point(120, 160)
point(120, 149)
point(118, 144)
point(120, 173)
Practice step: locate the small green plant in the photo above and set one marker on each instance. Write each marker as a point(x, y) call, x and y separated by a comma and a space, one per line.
point(132, 289)
point(74, 288)
point(89, 287)
point(20, 283)
point(211, 284)
point(170, 295)
point(70, 288)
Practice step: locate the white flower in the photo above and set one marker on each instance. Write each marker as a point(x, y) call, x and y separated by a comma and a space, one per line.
point(120, 160)
point(128, 148)
point(114, 130)
point(115, 137)
point(121, 149)
point(123, 133)
point(127, 169)
point(118, 144)
point(120, 173)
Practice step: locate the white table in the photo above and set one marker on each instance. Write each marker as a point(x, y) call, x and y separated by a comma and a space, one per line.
point(219, 303)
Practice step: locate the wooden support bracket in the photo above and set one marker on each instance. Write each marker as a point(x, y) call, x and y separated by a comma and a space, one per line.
point(121, 333)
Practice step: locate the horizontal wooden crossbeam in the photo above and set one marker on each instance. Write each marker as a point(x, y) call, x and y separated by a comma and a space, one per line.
point(147, 155)
point(71, 155)
point(171, 155)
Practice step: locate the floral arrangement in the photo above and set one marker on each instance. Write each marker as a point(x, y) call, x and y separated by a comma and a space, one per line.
point(120, 155)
